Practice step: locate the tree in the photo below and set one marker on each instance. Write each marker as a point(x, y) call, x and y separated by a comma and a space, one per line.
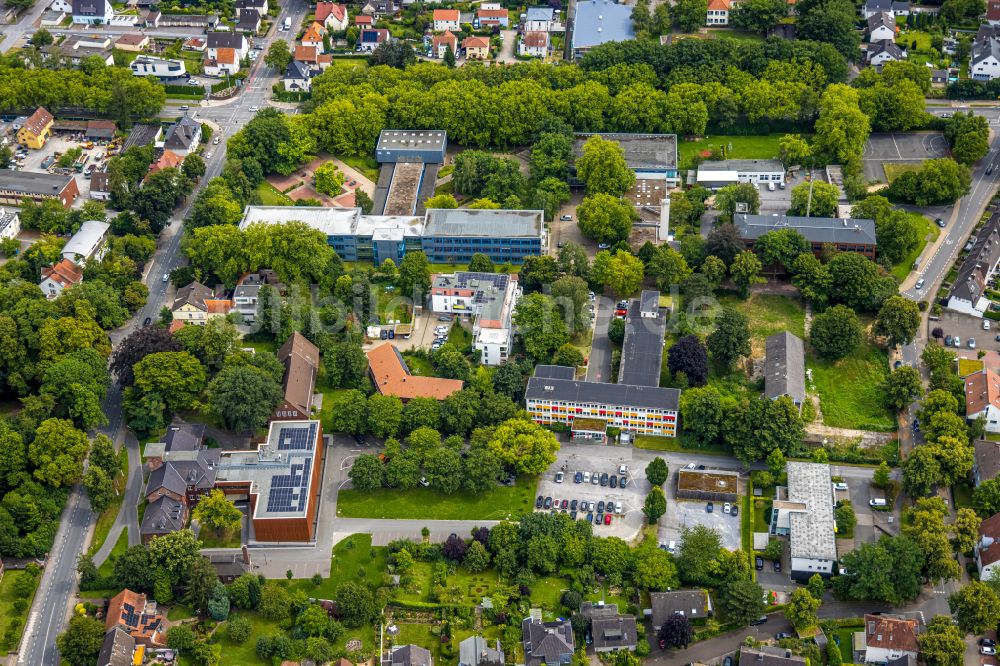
point(414, 275)
point(854, 281)
point(81, 642)
point(444, 469)
point(842, 128)
point(845, 517)
point(385, 414)
point(656, 471)
point(449, 58)
point(760, 425)
point(621, 271)
point(676, 631)
point(329, 179)
point(668, 267)
point(832, 22)
point(476, 558)
point(57, 452)
point(700, 546)
point(568, 355)
point(602, 167)
point(243, 397)
point(745, 271)
point(815, 199)
point(199, 582)
point(836, 332)
point(571, 296)
point(176, 377)
point(689, 15)
point(801, 609)
point(654, 569)
point(275, 602)
point(355, 604)
point(175, 552)
point(481, 469)
point(938, 181)
point(217, 512)
point(524, 445)
point(897, 321)
point(816, 586)
point(446, 201)
point(100, 489)
point(367, 472)
point(942, 644)
point(180, 637)
point(134, 569)
point(278, 55)
point(239, 628)
point(758, 15)
point(901, 387)
point(605, 218)
point(730, 341)
point(480, 263)
point(976, 607)
point(688, 355)
point(782, 246)
point(655, 505)
point(398, 54)
point(539, 326)
point(966, 528)
point(218, 603)
point(349, 410)
point(969, 137)
point(245, 592)
point(743, 600)
point(986, 497)
point(729, 197)
point(703, 413)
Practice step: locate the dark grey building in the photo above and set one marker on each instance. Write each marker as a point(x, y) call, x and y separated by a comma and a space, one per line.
point(785, 368)
point(162, 516)
point(426, 146)
point(409, 655)
point(117, 648)
point(769, 656)
point(476, 651)
point(642, 348)
point(846, 235)
point(614, 633)
point(968, 293)
point(692, 604)
point(549, 643)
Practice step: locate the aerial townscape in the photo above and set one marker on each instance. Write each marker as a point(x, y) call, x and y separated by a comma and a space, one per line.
point(484, 333)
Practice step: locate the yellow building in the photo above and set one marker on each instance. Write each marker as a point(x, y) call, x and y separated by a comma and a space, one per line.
point(36, 130)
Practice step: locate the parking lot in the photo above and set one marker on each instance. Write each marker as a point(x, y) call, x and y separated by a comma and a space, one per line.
point(60, 143)
point(602, 460)
point(967, 327)
point(912, 147)
point(690, 513)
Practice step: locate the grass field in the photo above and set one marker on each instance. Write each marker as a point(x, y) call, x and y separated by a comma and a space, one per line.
point(366, 165)
point(860, 407)
point(928, 234)
point(426, 503)
point(677, 445)
point(962, 495)
point(461, 337)
point(735, 34)
point(212, 539)
point(967, 366)
point(894, 170)
point(9, 619)
point(769, 315)
point(270, 196)
point(760, 512)
point(107, 517)
point(418, 365)
point(120, 547)
point(743, 148)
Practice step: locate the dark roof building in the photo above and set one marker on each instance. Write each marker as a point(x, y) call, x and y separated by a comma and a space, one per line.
point(117, 648)
point(301, 360)
point(768, 656)
point(785, 368)
point(642, 348)
point(549, 643)
point(987, 460)
point(692, 604)
point(15, 186)
point(967, 294)
point(409, 655)
point(142, 135)
point(845, 235)
point(184, 135)
point(184, 476)
point(162, 516)
point(476, 651)
point(614, 633)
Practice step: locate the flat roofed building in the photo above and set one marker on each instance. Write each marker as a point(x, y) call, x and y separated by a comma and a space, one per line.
point(717, 173)
point(412, 145)
point(846, 235)
point(599, 21)
point(88, 244)
point(281, 480)
point(769, 656)
point(720, 485)
point(490, 298)
point(807, 518)
point(392, 377)
point(642, 348)
point(784, 367)
point(15, 186)
point(648, 155)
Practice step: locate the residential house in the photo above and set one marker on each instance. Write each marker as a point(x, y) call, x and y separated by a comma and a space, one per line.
point(298, 77)
point(93, 12)
point(883, 51)
point(307, 55)
point(534, 44)
point(447, 19)
point(90, 243)
point(152, 18)
point(163, 515)
point(183, 136)
point(718, 12)
point(881, 26)
point(895, 7)
point(489, 18)
point(249, 21)
point(408, 655)
point(15, 186)
point(10, 223)
point(984, 63)
point(993, 12)
point(137, 616)
point(364, 21)
point(220, 39)
point(939, 78)
point(489, 297)
point(247, 291)
point(197, 44)
point(843, 234)
point(441, 43)
point(765, 655)
point(314, 35)
point(50, 19)
point(196, 304)
point(168, 160)
point(784, 368)
point(59, 277)
point(75, 49)
point(476, 48)
point(547, 643)
point(692, 604)
point(259, 6)
point(225, 62)
point(968, 291)
point(36, 130)
point(379, 8)
point(332, 15)
point(987, 550)
point(982, 398)
point(613, 633)
point(117, 649)
point(100, 186)
point(134, 42)
point(301, 360)
point(476, 651)
point(806, 516)
point(160, 67)
point(392, 377)
point(180, 436)
point(986, 463)
point(184, 476)
point(539, 19)
point(370, 38)
point(888, 637)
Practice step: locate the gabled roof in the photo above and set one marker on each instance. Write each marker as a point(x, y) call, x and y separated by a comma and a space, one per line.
point(692, 604)
point(89, 7)
point(492, 13)
point(301, 359)
point(326, 9)
point(38, 121)
point(989, 529)
point(183, 134)
point(615, 632)
point(297, 70)
point(476, 43)
point(373, 35)
point(539, 14)
point(536, 38)
point(163, 516)
point(363, 19)
point(718, 5)
point(117, 648)
point(305, 53)
point(885, 46)
point(314, 33)
point(219, 39)
point(132, 39)
point(194, 294)
point(410, 655)
point(768, 656)
point(987, 457)
point(476, 651)
point(881, 20)
point(64, 273)
point(982, 389)
point(883, 631)
point(971, 280)
point(168, 160)
point(549, 643)
point(446, 15)
point(784, 367)
point(249, 19)
point(392, 377)
point(447, 38)
point(197, 469)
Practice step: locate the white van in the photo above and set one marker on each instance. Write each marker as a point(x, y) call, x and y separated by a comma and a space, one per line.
point(288, 23)
point(877, 502)
point(672, 547)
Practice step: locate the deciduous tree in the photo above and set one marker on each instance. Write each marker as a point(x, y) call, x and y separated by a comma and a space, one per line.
point(524, 445)
point(730, 341)
point(836, 332)
point(602, 168)
point(688, 355)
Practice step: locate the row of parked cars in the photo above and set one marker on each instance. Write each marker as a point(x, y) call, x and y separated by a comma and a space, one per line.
point(599, 512)
point(603, 479)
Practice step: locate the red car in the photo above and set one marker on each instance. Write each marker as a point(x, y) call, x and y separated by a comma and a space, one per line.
point(607, 519)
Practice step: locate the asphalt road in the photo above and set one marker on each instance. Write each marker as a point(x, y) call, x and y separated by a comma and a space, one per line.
point(599, 361)
point(57, 590)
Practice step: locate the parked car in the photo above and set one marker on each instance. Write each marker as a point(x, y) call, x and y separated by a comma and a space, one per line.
point(548, 503)
point(986, 324)
point(147, 321)
point(956, 341)
point(710, 507)
point(623, 482)
point(444, 318)
point(586, 477)
point(972, 343)
point(728, 661)
point(988, 650)
point(595, 478)
point(613, 481)
point(559, 477)
point(758, 563)
point(604, 479)
point(539, 502)
point(777, 566)
point(590, 517)
point(736, 511)
point(947, 340)
point(607, 521)
point(727, 507)
point(572, 505)
point(987, 642)
point(761, 620)
point(600, 507)
point(920, 284)
point(939, 222)
point(782, 635)
point(599, 519)
point(166, 277)
point(253, 109)
point(619, 509)
point(578, 477)
point(564, 505)
point(592, 507)
point(566, 218)
point(840, 485)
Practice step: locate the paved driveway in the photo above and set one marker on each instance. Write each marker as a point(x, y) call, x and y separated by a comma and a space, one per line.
point(966, 327)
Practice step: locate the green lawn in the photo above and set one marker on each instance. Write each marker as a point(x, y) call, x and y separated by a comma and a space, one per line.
point(270, 196)
point(366, 165)
point(760, 513)
point(261, 346)
point(427, 503)
point(213, 539)
point(349, 62)
point(10, 620)
point(461, 337)
point(861, 405)
point(846, 637)
point(418, 365)
point(962, 495)
point(735, 34)
point(354, 558)
point(107, 518)
point(928, 234)
point(121, 546)
point(245, 653)
point(894, 170)
point(677, 445)
point(743, 148)
point(769, 315)
point(967, 366)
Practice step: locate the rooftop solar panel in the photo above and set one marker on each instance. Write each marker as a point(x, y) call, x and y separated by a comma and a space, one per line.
point(297, 438)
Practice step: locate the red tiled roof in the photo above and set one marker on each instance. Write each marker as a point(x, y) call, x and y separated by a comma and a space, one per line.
point(492, 13)
point(476, 42)
point(392, 378)
point(64, 273)
point(127, 609)
point(718, 5)
point(305, 53)
point(132, 39)
point(990, 528)
point(167, 160)
point(982, 389)
point(218, 306)
point(314, 33)
point(891, 633)
point(38, 121)
point(446, 15)
point(447, 38)
point(536, 38)
point(363, 19)
point(326, 9)
point(226, 56)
